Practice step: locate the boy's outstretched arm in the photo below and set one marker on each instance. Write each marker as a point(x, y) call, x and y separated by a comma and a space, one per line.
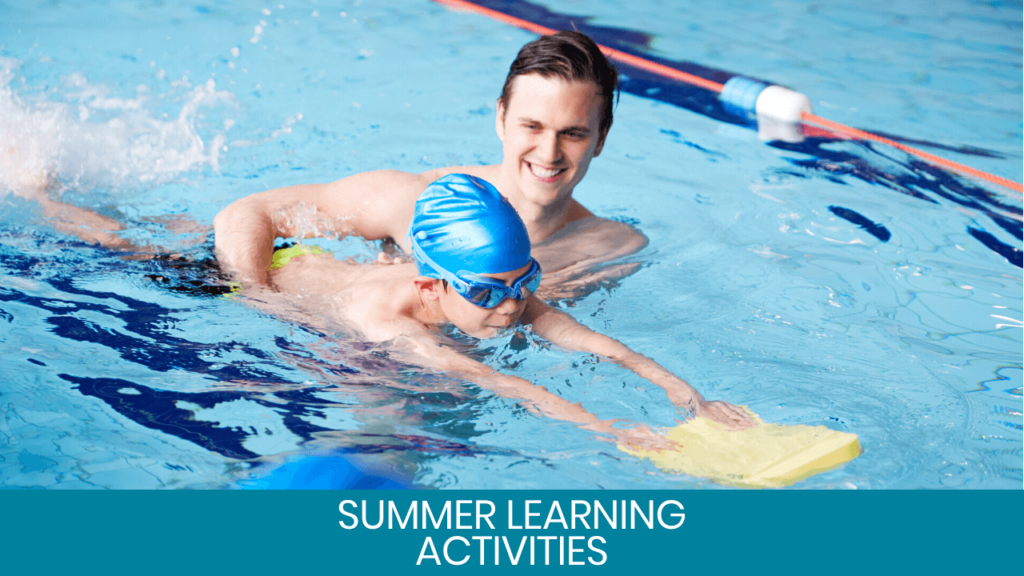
point(562, 329)
point(428, 352)
point(33, 185)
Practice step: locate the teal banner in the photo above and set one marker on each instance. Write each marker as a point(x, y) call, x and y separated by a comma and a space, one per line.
point(274, 532)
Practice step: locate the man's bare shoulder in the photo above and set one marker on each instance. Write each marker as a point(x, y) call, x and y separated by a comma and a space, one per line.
point(598, 237)
point(609, 237)
point(625, 236)
point(586, 243)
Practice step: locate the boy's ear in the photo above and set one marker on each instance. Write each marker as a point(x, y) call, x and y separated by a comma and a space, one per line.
point(427, 288)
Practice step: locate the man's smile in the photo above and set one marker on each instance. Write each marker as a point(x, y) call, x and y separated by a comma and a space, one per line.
point(544, 174)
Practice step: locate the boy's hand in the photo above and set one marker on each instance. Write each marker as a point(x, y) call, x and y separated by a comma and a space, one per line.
point(642, 437)
point(689, 400)
point(17, 173)
point(639, 437)
point(732, 416)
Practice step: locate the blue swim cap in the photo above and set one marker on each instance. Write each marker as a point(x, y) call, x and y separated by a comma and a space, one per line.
point(463, 224)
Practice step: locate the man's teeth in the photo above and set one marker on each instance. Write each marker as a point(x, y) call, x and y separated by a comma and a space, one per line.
point(544, 172)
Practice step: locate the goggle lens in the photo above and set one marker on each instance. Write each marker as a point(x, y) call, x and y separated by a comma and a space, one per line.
point(488, 293)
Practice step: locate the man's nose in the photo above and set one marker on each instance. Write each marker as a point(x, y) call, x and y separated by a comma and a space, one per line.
point(548, 148)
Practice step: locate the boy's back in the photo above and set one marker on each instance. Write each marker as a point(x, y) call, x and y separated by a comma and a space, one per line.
point(360, 297)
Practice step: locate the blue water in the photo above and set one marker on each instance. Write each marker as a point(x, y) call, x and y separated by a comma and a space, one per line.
point(825, 283)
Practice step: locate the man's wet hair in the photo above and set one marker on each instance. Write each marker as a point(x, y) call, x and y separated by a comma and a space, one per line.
point(568, 55)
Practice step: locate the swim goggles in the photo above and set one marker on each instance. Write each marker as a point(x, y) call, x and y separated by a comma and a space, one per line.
point(480, 290)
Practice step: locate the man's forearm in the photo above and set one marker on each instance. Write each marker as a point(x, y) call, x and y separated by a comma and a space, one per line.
point(360, 205)
point(244, 240)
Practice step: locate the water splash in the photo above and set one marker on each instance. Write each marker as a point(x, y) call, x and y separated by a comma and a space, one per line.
point(305, 221)
point(88, 139)
point(285, 128)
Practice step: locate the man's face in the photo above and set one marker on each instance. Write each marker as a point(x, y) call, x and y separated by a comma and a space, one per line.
point(549, 133)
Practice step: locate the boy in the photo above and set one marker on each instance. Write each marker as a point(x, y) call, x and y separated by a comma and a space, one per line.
point(473, 269)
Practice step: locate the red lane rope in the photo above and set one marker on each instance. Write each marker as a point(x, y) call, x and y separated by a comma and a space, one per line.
point(808, 117)
point(518, 22)
point(674, 74)
point(661, 69)
point(612, 53)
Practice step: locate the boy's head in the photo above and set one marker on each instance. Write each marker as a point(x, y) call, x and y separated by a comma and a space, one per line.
point(473, 254)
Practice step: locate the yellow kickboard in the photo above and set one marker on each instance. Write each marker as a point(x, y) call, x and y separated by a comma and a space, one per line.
point(764, 456)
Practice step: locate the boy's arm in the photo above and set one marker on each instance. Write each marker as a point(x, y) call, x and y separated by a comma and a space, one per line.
point(563, 330)
point(373, 205)
point(430, 353)
point(33, 185)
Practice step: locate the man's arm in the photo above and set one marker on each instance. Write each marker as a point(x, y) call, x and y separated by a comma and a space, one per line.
point(563, 330)
point(373, 205)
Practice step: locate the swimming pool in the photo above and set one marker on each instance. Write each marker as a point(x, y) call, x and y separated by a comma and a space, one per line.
point(756, 285)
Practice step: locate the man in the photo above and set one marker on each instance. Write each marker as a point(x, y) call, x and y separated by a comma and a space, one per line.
point(553, 116)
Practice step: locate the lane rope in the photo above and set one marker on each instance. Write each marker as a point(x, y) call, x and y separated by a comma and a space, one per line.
point(668, 72)
point(825, 123)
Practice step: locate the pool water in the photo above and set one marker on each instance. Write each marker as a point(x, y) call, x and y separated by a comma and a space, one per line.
point(829, 282)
